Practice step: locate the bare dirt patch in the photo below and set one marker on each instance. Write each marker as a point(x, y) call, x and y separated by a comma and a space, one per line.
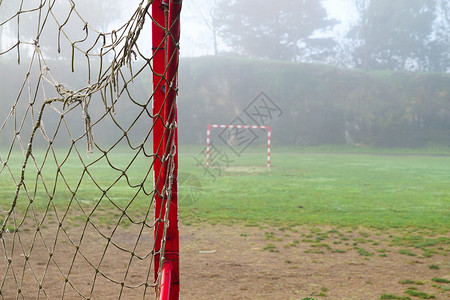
point(76, 262)
point(229, 262)
point(267, 263)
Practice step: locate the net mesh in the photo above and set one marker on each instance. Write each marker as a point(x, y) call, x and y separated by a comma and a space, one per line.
point(76, 151)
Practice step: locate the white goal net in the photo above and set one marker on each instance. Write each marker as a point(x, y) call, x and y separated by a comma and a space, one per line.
point(86, 152)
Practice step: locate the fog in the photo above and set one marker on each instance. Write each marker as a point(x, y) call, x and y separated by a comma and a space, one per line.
point(354, 72)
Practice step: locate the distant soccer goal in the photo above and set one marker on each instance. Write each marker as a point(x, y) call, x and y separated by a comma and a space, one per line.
point(88, 150)
point(237, 127)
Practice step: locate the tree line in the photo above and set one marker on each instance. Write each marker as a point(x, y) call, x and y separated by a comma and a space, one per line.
point(394, 35)
point(321, 104)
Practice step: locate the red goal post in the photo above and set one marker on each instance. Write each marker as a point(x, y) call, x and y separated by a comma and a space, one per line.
point(165, 41)
point(208, 137)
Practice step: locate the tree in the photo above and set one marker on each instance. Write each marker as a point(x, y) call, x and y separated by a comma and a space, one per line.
point(393, 34)
point(274, 30)
point(205, 12)
point(438, 54)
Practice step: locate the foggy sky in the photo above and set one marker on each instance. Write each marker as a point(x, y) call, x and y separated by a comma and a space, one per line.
point(196, 38)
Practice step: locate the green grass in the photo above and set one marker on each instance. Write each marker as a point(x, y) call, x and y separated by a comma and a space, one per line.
point(440, 280)
point(421, 295)
point(417, 241)
point(93, 183)
point(348, 189)
point(380, 188)
point(433, 267)
point(390, 296)
point(408, 281)
point(363, 252)
point(406, 252)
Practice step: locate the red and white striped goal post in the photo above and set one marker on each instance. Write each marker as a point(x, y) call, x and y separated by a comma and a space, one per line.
point(208, 137)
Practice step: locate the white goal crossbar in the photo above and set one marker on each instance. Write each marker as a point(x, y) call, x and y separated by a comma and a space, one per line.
point(208, 137)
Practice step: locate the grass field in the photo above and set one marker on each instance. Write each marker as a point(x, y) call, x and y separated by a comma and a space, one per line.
point(380, 188)
point(343, 222)
point(318, 186)
point(335, 221)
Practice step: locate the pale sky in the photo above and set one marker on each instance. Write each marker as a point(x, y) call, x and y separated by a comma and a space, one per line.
point(342, 10)
point(196, 39)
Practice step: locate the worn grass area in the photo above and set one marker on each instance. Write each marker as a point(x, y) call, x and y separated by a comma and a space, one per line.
point(335, 188)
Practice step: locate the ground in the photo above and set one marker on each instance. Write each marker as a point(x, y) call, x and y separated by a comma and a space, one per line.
point(240, 262)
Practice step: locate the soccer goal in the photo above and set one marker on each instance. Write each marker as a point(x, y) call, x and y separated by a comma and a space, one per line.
point(236, 127)
point(88, 149)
